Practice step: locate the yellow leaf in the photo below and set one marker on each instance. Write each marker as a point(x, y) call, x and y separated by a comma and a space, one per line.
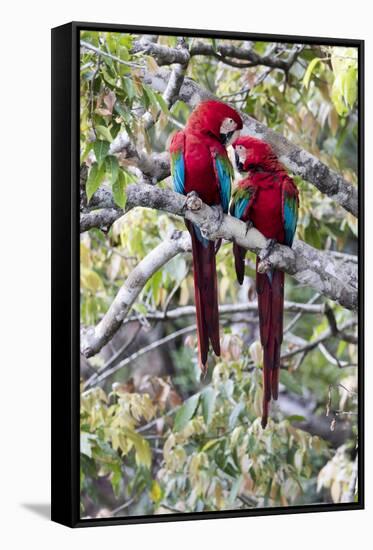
point(155, 492)
point(90, 280)
point(85, 256)
point(143, 452)
point(311, 67)
point(256, 353)
point(151, 64)
point(335, 491)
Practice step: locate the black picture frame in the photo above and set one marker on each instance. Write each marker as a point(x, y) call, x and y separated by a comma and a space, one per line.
point(65, 275)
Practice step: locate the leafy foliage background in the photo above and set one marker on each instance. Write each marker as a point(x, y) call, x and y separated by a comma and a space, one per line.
point(166, 441)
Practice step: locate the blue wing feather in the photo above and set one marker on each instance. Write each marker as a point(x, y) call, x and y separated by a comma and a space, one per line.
point(290, 217)
point(224, 177)
point(240, 207)
point(178, 171)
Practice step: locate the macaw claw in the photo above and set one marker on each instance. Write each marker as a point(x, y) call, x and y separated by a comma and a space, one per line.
point(218, 211)
point(264, 264)
point(249, 225)
point(267, 251)
point(193, 201)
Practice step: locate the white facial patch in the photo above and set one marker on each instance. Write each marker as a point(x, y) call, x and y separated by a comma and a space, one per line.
point(241, 153)
point(228, 125)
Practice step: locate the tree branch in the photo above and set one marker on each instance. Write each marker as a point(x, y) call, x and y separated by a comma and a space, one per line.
point(296, 160)
point(307, 265)
point(89, 46)
point(164, 55)
point(106, 372)
point(329, 333)
point(227, 52)
point(229, 309)
point(103, 219)
point(94, 338)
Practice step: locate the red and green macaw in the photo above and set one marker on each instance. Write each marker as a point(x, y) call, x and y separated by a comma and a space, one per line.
point(266, 197)
point(199, 164)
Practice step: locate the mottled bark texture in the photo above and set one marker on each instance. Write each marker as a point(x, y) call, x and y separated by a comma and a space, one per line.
point(331, 277)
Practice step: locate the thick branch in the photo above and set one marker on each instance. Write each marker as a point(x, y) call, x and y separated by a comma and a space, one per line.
point(297, 160)
point(164, 55)
point(103, 219)
point(307, 265)
point(227, 52)
point(155, 166)
point(93, 339)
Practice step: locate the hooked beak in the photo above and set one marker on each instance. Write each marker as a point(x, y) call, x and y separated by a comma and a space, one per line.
point(238, 162)
point(225, 138)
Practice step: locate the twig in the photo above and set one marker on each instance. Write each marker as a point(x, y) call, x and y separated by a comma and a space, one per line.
point(123, 506)
point(324, 336)
point(228, 309)
point(337, 332)
point(93, 339)
point(89, 46)
point(102, 374)
point(296, 318)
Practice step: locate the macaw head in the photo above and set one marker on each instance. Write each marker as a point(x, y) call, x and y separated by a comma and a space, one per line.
point(217, 119)
point(252, 154)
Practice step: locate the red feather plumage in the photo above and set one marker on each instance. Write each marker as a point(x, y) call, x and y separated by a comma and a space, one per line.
point(199, 143)
point(264, 188)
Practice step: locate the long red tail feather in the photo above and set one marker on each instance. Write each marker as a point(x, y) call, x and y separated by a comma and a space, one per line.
point(206, 297)
point(239, 262)
point(270, 290)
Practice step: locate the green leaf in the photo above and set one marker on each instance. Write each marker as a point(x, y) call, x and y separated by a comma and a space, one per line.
point(152, 100)
point(290, 382)
point(142, 448)
point(128, 88)
point(95, 177)
point(210, 444)
point(140, 308)
point(104, 133)
point(162, 103)
point(156, 284)
point(311, 67)
point(101, 149)
point(237, 410)
point(122, 111)
point(186, 412)
point(177, 268)
point(234, 490)
point(86, 443)
point(350, 86)
point(295, 418)
point(119, 186)
point(116, 479)
point(337, 95)
point(208, 398)
point(112, 167)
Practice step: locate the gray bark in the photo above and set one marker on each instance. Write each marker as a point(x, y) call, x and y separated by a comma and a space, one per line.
point(334, 279)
